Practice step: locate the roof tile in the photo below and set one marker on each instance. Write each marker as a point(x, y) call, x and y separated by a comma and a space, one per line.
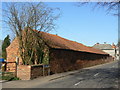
point(55, 41)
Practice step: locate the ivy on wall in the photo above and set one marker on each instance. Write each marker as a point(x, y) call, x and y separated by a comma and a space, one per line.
point(33, 48)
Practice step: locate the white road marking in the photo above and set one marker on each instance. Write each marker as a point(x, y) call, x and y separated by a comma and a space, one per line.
point(113, 66)
point(96, 74)
point(77, 83)
point(80, 78)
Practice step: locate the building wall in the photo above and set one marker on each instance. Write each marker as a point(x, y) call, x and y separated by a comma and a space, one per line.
point(66, 60)
point(12, 53)
point(111, 52)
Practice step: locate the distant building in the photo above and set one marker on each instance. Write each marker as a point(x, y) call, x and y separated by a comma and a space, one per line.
point(108, 48)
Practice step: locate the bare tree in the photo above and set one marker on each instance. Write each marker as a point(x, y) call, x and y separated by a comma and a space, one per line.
point(111, 7)
point(23, 19)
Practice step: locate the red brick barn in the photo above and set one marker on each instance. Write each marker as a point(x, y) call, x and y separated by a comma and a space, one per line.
point(64, 55)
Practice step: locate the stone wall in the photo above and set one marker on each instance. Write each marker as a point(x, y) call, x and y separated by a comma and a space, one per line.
point(62, 60)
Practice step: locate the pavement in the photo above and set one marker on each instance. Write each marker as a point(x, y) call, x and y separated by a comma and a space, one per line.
point(99, 76)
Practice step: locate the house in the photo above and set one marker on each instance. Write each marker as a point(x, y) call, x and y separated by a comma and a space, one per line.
point(108, 48)
point(64, 54)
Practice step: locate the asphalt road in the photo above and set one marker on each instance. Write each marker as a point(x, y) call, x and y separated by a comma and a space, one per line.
point(102, 76)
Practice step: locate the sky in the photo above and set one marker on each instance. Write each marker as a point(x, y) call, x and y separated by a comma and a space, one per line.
point(82, 24)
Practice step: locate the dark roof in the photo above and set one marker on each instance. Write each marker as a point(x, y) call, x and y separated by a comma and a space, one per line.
point(103, 46)
point(55, 41)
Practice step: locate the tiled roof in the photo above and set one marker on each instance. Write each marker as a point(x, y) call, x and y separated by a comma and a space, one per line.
point(103, 46)
point(55, 41)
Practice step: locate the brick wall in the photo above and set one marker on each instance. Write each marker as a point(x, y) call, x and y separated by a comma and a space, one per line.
point(27, 72)
point(11, 67)
point(66, 60)
point(24, 72)
point(12, 53)
point(36, 71)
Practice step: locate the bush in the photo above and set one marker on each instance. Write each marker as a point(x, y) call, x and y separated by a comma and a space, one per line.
point(9, 78)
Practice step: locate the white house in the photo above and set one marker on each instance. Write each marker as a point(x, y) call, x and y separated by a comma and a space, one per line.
point(108, 48)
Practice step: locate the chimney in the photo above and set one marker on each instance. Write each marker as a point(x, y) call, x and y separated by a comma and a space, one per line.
point(104, 42)
point(97, 43)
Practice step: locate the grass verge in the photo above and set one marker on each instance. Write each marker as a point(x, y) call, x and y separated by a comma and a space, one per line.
point(9, 76)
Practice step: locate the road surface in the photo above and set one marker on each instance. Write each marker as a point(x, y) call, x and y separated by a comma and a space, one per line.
point(100, 76)
point(103, 76)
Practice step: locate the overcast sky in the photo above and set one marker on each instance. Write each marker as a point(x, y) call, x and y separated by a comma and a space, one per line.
point(83, 25)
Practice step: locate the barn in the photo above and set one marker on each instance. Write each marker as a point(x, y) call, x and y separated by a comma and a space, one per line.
point(64, 55)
